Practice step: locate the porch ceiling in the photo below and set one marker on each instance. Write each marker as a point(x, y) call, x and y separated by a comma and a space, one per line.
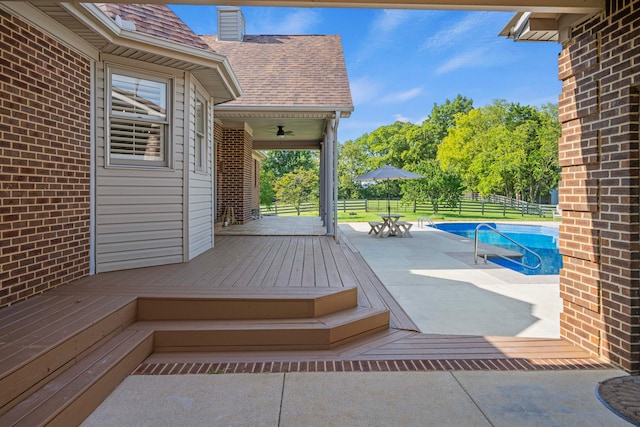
point(542, 6)
point(304, 129)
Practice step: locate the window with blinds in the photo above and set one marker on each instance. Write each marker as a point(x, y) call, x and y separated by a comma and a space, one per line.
point(200, 142)
point(138, 120)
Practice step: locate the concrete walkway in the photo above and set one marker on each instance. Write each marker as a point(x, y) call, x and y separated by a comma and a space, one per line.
point(435, 280)
point(564, 398)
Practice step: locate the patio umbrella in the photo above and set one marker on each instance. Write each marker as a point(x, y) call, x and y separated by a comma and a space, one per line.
point(388, 173)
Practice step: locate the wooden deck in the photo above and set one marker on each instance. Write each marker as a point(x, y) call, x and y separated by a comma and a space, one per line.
point(250, 264)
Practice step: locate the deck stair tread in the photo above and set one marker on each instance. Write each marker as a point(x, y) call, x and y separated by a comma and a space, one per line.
point(40, 346)
point(74, 394)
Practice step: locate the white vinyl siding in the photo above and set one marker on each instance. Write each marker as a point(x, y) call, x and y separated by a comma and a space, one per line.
point(139, 211)
point(200, 178)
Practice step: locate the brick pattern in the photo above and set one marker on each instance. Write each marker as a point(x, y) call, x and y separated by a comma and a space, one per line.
point(599, 193)
point(235, 174)
point(369, 366)
point(44, 161)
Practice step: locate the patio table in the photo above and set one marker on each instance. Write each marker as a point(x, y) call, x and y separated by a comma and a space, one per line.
point(389, 225)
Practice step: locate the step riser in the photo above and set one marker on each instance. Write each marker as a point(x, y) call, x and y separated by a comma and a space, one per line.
point(287, 337)
point(245, 308)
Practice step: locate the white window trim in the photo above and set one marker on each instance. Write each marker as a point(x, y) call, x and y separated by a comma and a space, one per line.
point(201, 164)
point(165, 163)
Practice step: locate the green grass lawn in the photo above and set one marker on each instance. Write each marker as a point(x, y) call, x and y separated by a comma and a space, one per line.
point(361, 216)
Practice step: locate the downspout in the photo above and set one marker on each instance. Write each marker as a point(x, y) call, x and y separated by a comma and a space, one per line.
point(335, 175)
point(321, 207)
point(92, 171)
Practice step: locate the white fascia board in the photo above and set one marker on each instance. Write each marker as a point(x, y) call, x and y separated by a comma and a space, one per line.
point(329, 110)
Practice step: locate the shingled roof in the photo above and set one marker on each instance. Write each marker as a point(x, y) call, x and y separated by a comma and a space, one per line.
point(155, 20)
point(288, 70)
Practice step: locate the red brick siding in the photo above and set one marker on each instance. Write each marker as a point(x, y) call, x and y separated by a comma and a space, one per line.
point(599, 192)
point(44, 161)
point(235, 176)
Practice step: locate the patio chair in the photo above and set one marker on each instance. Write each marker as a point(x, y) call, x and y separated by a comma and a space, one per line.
point(376, 226)
point(405, 227)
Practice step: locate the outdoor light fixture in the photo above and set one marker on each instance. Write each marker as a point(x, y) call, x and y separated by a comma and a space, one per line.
point(280, 133)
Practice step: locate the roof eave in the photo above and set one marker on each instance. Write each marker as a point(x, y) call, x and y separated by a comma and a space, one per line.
point(345, 110)
point(203, 63)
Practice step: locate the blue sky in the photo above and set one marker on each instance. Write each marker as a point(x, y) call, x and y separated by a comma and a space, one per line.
point(401, 62)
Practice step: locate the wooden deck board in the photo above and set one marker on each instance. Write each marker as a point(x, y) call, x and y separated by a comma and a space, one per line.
point(295, 278)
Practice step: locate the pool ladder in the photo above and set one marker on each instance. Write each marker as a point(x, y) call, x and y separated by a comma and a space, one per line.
point(523, 265)
point(425, 220)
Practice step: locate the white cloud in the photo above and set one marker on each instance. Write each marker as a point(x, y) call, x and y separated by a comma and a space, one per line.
point(388, 20)
point(401, 118)
point(484, 57)
point(281, 21)
point(382, 32)
point(364, 90)
point(394, 98)
point(465, 31)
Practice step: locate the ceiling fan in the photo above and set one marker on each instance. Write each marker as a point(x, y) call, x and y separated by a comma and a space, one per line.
point(280, 133)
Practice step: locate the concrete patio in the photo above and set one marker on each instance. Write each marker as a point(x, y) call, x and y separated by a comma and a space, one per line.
point(435, 280)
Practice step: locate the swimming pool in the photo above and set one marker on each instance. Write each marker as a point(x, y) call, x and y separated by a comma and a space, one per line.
point(541, 240)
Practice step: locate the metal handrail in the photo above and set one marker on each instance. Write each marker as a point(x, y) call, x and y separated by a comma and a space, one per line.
point(423, 219)
point(475, 252)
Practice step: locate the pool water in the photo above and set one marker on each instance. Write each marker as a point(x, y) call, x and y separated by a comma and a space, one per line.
point(541, 240)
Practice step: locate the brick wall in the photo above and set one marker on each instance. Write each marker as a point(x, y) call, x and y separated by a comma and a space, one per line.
point(235, 176)
point(599, 191)
point(44, 162)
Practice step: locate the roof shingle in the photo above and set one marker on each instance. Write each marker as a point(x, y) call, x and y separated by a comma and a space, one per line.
point(155, 20)
point(288, 70)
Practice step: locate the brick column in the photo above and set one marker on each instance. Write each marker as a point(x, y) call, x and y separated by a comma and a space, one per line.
point(235, 174)
point(599, 153)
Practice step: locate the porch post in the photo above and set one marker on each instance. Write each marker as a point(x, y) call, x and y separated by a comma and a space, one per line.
point(329, 140)
point(336, 121)
point(322, 201)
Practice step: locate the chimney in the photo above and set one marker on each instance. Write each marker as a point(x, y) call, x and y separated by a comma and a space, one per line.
point(230, 24)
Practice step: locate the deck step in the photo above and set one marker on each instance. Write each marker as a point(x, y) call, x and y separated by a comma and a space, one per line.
point(74, 394)
point(323, 332)
point(257, 304)
point(40, 340)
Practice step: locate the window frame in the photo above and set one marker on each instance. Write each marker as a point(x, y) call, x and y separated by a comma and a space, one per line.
point(164, 125)
point(200, 138)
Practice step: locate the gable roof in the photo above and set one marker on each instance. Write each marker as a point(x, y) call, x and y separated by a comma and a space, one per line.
point(288, 71)
point(155, 20)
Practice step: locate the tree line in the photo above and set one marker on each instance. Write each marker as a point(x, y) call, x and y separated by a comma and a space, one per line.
point(503, 148)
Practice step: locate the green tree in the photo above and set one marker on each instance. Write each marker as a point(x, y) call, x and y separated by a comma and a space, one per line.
point(297, 187)
point(352, 162)
point(506, 149)
point(267, 193)
point(281, 162)
point(438, 187)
